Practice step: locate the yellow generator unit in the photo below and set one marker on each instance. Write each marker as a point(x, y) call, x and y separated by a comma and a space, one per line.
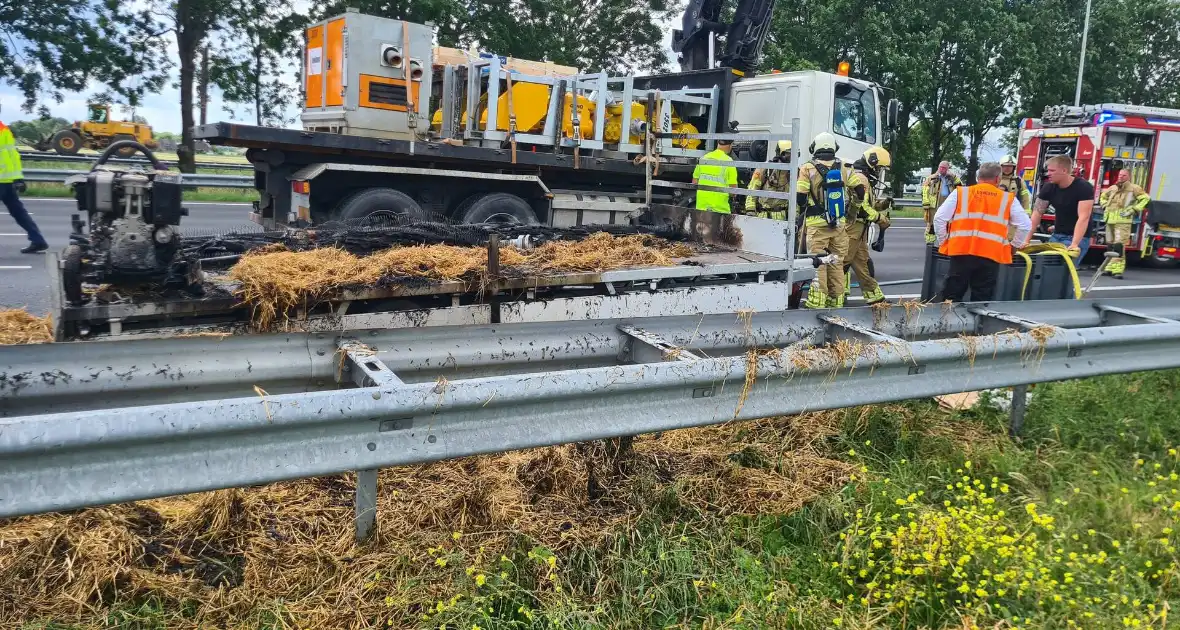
point(367, 76)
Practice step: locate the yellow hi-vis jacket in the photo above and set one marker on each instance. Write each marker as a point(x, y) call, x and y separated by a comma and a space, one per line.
point(718, 177)
point(10, 170)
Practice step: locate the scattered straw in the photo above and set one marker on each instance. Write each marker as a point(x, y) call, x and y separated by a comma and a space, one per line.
point(18, 327)
point(224, 556)
point(275, 281)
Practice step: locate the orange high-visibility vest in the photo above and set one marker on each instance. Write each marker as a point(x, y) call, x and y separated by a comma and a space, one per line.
point(979, 226)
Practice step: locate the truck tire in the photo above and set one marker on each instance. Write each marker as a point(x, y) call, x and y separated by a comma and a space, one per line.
point(71, 276)
point(496, 208)
point(66, 142)
point(125, 152)
point(374, 202)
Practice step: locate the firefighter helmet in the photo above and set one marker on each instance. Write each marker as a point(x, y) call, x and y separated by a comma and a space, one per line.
point(877, 157)
point(1008, 161)
point(784, 146)
point(823, 141)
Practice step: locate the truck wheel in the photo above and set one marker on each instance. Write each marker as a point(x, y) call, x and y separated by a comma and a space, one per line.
point(71, 275)
point(66, 142)
point(380, 202)
point(497, 208)
point(125, 152)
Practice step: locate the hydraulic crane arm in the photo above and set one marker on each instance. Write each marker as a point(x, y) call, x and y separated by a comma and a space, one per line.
point(744, 36)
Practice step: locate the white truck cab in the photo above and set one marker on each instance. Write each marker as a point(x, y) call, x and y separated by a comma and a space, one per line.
point(852, 109)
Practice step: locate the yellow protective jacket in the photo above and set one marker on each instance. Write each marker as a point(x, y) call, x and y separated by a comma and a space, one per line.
point(10, 170)
point(772, 180)
point(1014, 184)
point(1120, 203)
point(716, 176)
point(932, 196)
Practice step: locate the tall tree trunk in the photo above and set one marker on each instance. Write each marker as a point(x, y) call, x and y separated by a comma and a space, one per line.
point(187, 40)
point(977, 135)
point(936, 133)
point(258, 84)
point(203, 89)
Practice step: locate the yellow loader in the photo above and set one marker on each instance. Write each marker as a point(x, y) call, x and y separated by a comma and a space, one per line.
point(98, 132)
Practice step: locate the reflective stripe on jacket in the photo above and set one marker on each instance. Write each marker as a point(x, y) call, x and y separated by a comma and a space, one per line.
point(716, 176)
point(10, 169)
point(979, 226)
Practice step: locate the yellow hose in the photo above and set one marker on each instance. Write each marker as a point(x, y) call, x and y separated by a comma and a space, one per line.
point(1050, 248)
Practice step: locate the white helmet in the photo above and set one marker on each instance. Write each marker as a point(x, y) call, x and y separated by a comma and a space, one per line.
point(1008, 161)
point(823, 141)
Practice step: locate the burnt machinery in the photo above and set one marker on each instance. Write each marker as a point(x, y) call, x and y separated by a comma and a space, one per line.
point(132, 232)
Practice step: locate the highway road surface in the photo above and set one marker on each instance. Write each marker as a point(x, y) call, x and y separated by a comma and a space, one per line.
point(24, 279)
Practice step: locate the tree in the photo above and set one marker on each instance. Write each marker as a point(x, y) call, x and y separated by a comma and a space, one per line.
point(248, 68)
point(994, 45)
point(48, 47)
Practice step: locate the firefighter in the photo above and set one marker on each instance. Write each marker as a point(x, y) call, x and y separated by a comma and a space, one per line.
point(864, 208)
point(1120, 203)
point(937, 188)
point(821, 192)
point(1011, 182)
point(12, 183)
point(716, 176)
point(773, 180)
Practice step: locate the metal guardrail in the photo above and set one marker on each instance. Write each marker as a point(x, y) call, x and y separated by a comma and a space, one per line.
point(197, 180)
point(151, 418)
point(45, 156)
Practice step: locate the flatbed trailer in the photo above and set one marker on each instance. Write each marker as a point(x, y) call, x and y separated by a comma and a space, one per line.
point(740, 264)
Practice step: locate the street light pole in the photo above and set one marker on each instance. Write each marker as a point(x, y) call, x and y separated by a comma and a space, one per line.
point(1077, 95)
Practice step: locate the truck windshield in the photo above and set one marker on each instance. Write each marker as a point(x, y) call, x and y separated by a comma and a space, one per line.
point(854, 113)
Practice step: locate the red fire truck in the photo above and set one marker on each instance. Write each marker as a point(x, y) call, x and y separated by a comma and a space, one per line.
point(1103, 140)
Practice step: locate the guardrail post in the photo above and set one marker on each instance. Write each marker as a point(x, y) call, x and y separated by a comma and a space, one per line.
point(362, 367)
point(1019, 404)
point(366, 503)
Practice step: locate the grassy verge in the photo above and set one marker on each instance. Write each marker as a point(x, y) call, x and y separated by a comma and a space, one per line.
point(906, 213)
point(223, 195)
point(898, 516)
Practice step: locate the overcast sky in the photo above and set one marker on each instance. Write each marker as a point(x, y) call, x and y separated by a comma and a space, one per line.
point(162, 110)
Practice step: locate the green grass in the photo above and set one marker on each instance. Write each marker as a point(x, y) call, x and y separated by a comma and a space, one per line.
point(1071, 526)
point(906, 213)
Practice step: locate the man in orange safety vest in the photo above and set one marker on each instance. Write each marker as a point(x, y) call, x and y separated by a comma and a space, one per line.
point(972, 228)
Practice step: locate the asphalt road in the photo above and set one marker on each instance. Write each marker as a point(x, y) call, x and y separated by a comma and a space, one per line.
point(24, 280)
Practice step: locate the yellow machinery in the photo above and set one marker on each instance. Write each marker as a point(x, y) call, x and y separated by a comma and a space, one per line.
point(98, 132)
point(530, 103)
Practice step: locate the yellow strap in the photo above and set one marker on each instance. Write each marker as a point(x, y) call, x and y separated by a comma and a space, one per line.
point(1050, 249)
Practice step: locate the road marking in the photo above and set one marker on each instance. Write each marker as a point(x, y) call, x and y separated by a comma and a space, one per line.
point(1131, 287)
point(15, 234)
point(906, 227)
point(15, 267)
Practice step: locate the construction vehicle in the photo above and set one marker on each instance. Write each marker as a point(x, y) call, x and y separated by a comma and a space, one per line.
point(1104, 140)
point(98, 132)
point(392, 126)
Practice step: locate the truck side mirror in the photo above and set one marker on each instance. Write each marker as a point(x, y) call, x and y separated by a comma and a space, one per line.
point(891, 111)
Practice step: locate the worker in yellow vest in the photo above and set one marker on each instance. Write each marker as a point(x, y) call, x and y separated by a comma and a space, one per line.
point(1120, 204)
point(935, 191)
point(774, 181)
point(821, 192)
point(863, 209)
point(715, 176)
point(12, 183)
point(972, 227)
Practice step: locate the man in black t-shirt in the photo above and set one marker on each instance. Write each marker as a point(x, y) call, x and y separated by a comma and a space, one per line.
point(1073, 200)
